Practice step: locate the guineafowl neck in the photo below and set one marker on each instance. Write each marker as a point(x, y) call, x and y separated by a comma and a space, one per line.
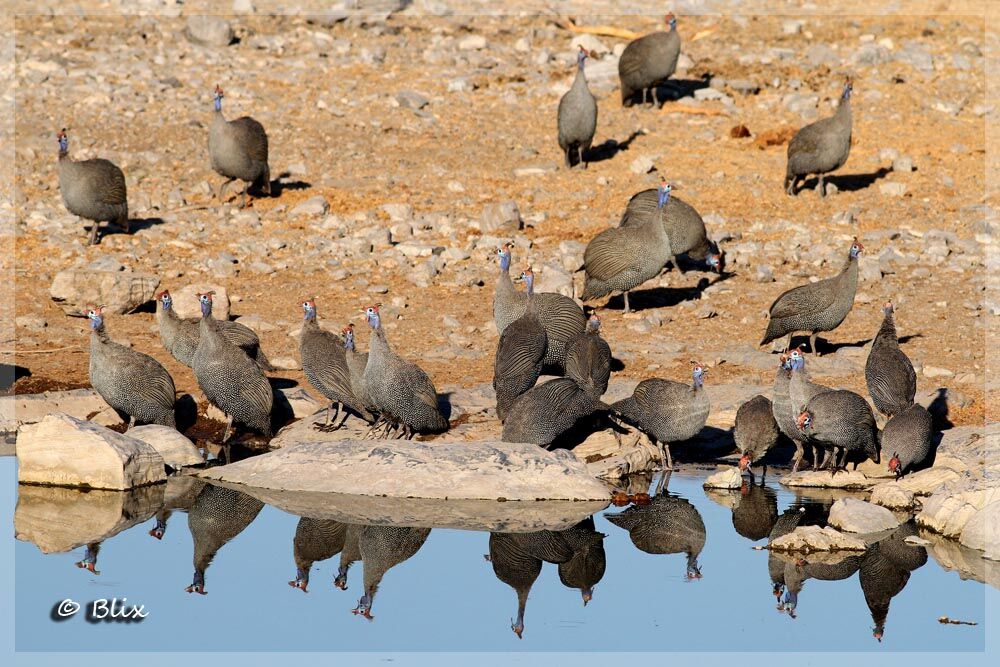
point(99, 336)
point(506, 293)
point(887, 332)
point(379, 344)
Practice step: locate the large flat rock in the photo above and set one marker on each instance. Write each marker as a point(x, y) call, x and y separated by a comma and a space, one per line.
point(61, 450)
point(982, 531)
point(16, 411)
point(813, 538)
point(965, 447)
point(118, 291)
point(416, 469)
point(858, 516)
point(175, 448)
point(481, 515)
point(824, 479)
point(949, 509)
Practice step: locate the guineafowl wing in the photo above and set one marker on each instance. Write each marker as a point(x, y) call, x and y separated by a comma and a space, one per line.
point(804, 300)
point(156, 385)
point(611, 253)
point(252, 137)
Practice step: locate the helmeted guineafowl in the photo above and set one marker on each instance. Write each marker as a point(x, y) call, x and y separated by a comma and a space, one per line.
point(586, 568)
point(520, 352)
point(356, 364)
point(588, 359)
point(517, 561)
point(667, 525)
point(781, 408)
point(350, 554)
point(545, 412)
point(815, 307)
point(230, 380)
point(180, 335)
point(401, 392)
point(324, 362)
point(840, 420)
point(667, 411)
point(685, 228)
point(821, 147)
point(238, 149)
point(649, 61)
point(217, 516)
point(622, 258)
point(315, 540)
point(892, 382)
point(92, 189)
point(907, 438)
point(136, 385)
point(801, 389)
point(885, 571)
point(180, 494)
point(577, 117)
point(755, 433)
point(384, 547)
point(559, 314)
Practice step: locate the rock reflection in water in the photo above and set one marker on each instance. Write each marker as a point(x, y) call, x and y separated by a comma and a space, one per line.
point(218, 515)
point(667, 525)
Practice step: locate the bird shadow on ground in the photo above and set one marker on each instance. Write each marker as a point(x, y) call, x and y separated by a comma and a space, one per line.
point(849, 182)
point(610, 148)
point(939, 411)
point(663, 297)
point(444, 404)
point(675, 89)
point(134, 225)
point(281, 183)
point(11, 373)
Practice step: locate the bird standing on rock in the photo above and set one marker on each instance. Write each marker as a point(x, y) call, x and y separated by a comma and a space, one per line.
point(622, 258)
point(815, 307)
point(907, 438)
point(891, 380)
point(840, 421)
point(136, 385)
point(238, 149)
point(755, 433)
point(821, 147)
point(649, 61)
point(92, 189)
point(577, 117)
point(520, 352)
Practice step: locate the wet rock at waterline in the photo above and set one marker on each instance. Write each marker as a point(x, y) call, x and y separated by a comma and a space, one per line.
point(813, 538)
point(857, 516)
point(177, 450)
point(727, 478)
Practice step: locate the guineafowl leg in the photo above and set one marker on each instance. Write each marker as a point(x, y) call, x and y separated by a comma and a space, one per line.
point(789, 185)
point(243, 198)
point(569, 162)
point(267, 181)
point(821, 186)
point(93, 232)
point(131, 422)
point(223, 186)
point(347, 413)
point(763, 472)
point(627, 309)
point(123, 223)
point(797, 459)
point(579, 152)
point(812, 343)
point(331, 417)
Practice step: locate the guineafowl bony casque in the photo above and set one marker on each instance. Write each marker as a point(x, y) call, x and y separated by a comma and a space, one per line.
point(324, 362)
point(238, 149)
point(685, 228)
point(649, 61)
point(92, 189)
point(815, 307)
point(180, 335)
point(230, 380)
point(520, 352)
point(821, 147)
point(559, 314)
point(136, 385)
point(620, 259)
point(891, 380)
point(577, 117)
point(401, 391)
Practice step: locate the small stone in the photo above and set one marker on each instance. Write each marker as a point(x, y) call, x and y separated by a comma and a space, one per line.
point(937, 372)
point(764, 274)
point(642, 165)
point(30, 322)
point(472, 43)
point(595, 47)
point(409, 99)
point(243, 7)
point(398, 212)
point(314, 206)
point(705, 312)
point(892, 189)
point(870, 269)
point(209, 30)
point(903, 164)
point(727, 478)
point(791, 27)
point(286, 364)
point(504, 218)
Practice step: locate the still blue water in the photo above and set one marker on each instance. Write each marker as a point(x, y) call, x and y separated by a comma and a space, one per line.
point(447, 597)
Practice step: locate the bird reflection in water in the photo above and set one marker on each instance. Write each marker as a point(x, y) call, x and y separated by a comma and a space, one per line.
point(89, 561)
point(315, 540)
point(381, 548)
point(217, 516)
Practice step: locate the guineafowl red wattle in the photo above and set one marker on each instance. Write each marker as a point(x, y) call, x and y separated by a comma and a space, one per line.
point(92, 189)
point(315, 540)
point(891, 380)
point(649, 61)
point(401, 391)
point(622, 258)
point(577, 117)
point(517, 561)
point(840, 421)
point(136, 385)
point(238, 149)
point(755, 433)
point(666, 525)
point(180, 335)
point(384, 547)
point(588, 359)
point(217, 516)
point(559, 314)
point(907, 439)
point(815, 307)
point(667, 411)
point(230, 380)
point(324, 362)
point(685, 229)
point(821, 147)
point(520, 353)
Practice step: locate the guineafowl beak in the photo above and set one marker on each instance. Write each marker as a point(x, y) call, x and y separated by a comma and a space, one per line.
point(364, 608)
point(518, 627)
point(744, 462)
point(340, 581)
point(777, 591)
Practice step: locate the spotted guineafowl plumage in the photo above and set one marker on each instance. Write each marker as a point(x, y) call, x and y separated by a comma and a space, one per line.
point(891, 380)
point(577, 117)
point(686, 233)
point(755, 432)
point(545, 412)
point(315, 540)
point(384, 547)
point(840, 421)
point(586, 568)
point(92, 189)
point(908, 440)
point(217, 516)
point(238, 149)
point(667, 525)
point(649, 61)
point(136, 385)
point(520, 353)
point(517, 561)
point(821, 147)
point(588, 359)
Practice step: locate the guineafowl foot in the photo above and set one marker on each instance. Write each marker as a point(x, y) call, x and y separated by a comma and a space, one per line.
point(222, 188)
point(627, 309)
point(821, 186)
point(812, 344)
point(327, 428)
point(93, 233)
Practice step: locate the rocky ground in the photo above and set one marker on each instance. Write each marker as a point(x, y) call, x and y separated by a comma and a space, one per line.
point(396, 141)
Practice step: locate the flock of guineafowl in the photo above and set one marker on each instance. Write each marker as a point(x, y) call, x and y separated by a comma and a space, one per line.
point(537, 330)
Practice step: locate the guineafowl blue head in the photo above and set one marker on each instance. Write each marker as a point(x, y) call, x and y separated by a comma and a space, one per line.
point(198, 584)
point(340, 581)
point(692, 571)
point(848, 89)
point(309, 309)
point(698, 373)
point(63, 142)
point(166, 301)
point(528, 276)
point(856, 248)
point(301, 580)
point(371, 314)
point(790, 602)
point(89, 561)
point(671, 21)
point(503, 254)
point(593, 323)
point(796, 360)
point(218, 97)
point(887, 308)
point(159, 529)
point(206, 303)
point(364, 607)
point(96, 317)
point(581, 56)
point(664, 194)
point(804, 421)
point(348, 332)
